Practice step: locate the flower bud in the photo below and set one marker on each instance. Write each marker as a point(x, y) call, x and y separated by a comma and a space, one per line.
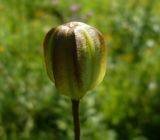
point(75, 58)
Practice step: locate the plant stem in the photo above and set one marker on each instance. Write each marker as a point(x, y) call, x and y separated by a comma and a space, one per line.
point(75, 113)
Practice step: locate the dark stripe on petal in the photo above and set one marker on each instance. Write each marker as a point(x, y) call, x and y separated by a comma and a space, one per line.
point(76, 65)
point(72, 65)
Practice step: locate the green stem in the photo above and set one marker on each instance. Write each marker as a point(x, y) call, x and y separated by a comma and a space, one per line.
point(75, 113)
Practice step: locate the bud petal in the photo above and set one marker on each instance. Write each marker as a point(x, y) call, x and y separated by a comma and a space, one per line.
point(75, 58)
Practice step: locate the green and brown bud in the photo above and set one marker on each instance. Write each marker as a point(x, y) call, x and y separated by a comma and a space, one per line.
point(75, 58)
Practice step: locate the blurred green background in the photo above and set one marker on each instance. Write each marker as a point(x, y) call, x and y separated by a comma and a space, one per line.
point(126, 106)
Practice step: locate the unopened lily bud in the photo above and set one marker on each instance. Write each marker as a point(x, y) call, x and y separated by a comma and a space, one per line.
point(75, 58)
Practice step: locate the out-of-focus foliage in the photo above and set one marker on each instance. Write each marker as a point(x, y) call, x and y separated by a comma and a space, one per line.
point(126, 106)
